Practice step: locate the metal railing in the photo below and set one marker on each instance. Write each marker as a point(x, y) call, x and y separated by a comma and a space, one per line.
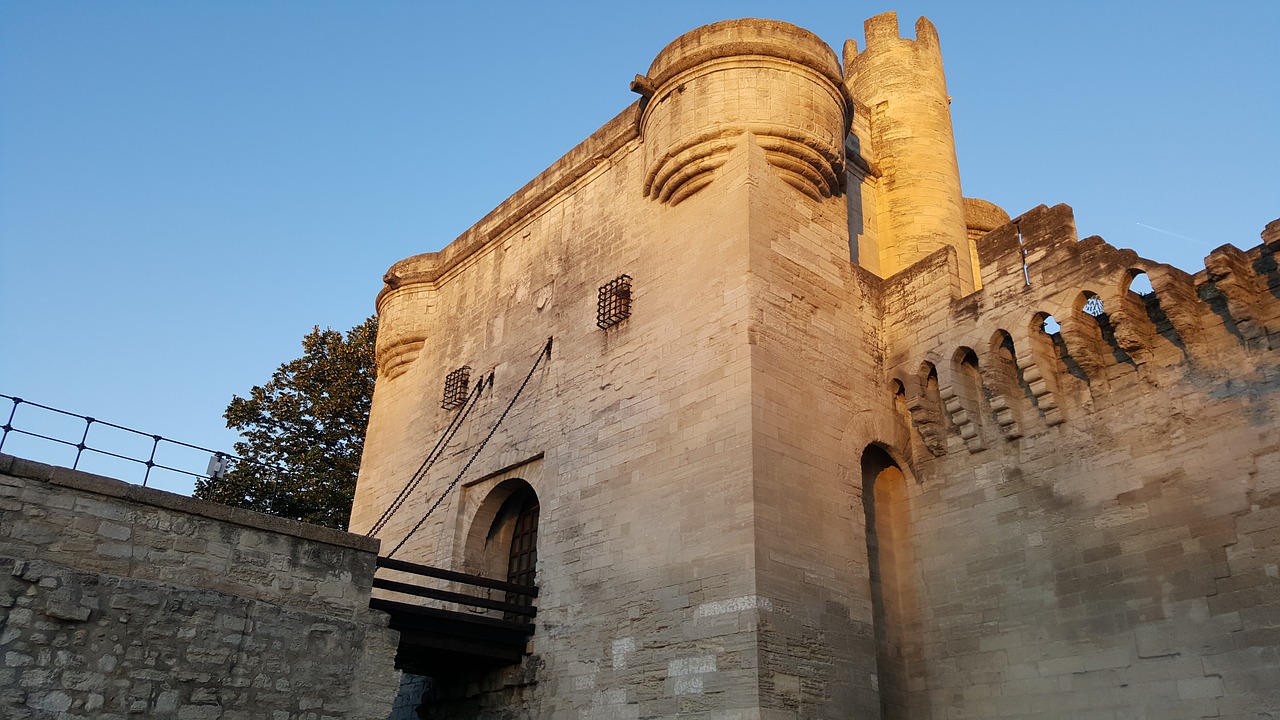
point(219, 462)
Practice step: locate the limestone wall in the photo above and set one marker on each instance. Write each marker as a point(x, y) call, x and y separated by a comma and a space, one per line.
point(901, 83)
point(119, 600)
point(644, 602)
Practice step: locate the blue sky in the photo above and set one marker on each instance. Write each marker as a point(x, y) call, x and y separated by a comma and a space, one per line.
point(187, 188)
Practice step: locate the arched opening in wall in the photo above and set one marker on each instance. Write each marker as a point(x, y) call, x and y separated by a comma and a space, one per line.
point(926, 410)
point(1003, 353)
point(970, 376)
point(966, 407)
point(1140, 283)
point(1089, 304)
point(1049, 325)
point(890, 563)
point(1050, 349)
point(503, 542)
point(929, 384)
point(1141, 294)
point(900, 400)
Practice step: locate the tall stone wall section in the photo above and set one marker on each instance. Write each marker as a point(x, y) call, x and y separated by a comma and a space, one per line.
point(625, 624)
point(666, 533)
point(118, 600)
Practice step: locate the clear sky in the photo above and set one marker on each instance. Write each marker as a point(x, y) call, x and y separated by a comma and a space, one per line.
point(187, 188)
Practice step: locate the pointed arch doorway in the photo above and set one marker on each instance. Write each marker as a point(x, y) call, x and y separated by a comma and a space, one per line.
point(502, 542)
point(892, 569)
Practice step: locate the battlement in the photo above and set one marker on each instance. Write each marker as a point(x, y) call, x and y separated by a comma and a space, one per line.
point(902, 84)
point(695, 113)
point(743, 38)
point(882, 32)
point(1059, 316)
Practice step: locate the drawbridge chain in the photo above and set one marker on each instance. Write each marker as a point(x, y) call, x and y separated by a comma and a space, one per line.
point(454, 425)
point(546, 352)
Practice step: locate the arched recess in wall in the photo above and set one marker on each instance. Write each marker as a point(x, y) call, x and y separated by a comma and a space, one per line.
point(899, 397)
point(925, 406)
point(1131, 325)
point(902, 428)
point(964, 397)
point(1090, 338)
point(503, 540)
point(1005, 384)
point(1050, 349)
point(891, 565)
point(1146, 312)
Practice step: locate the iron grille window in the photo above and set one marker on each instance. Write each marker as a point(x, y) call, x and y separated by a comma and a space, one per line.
point(455, 387)
point(615, 302)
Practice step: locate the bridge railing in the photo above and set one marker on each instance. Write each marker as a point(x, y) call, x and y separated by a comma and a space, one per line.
point(434, 637)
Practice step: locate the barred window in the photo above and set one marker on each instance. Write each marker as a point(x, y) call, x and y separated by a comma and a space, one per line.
point(615, 302)
point(455, 388)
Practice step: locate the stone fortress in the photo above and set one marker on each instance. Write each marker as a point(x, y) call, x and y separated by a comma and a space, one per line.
point(820, 437)
point(780, 424)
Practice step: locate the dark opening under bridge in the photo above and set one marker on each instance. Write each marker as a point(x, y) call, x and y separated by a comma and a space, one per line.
point(436, 639)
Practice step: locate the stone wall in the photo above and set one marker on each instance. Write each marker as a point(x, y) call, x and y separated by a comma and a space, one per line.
point(121, 600)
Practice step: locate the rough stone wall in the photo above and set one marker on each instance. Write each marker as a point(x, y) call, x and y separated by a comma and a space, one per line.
point(118, 600)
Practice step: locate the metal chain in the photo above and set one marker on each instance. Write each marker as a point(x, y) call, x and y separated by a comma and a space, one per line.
point(454, 425)
point(546, 352)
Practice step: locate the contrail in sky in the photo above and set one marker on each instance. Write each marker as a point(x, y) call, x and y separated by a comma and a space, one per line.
point(1166, 232)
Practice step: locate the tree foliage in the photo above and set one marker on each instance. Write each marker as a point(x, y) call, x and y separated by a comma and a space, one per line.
point(308, 420)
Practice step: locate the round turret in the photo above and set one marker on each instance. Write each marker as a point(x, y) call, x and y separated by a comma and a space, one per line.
point(711, 86)
point(902, 83)
point(402, 313)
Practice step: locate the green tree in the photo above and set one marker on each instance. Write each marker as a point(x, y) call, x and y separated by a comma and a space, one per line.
point(308, 420)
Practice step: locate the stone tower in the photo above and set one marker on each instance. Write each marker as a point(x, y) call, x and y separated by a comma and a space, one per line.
point(803, 446)
point(901, 84)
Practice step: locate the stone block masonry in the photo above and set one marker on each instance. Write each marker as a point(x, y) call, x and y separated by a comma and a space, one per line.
point(118, 600)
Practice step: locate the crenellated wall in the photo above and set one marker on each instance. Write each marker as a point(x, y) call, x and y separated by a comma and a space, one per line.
point(1094, 506)
point(901, 83)
point(695, 108)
